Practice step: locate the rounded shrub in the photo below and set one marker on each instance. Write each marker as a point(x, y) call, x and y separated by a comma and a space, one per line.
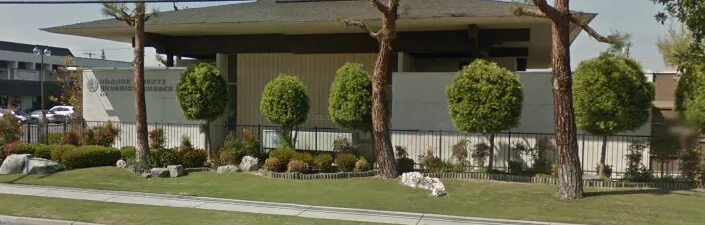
point(297, 166)
point(485, 98)
point(350, 101)
point(404, 163)
point(194, 158)
point(128, 153)
point(303, 157)
point(58, 150)
point(284, 155)
point(362, 165)
point(272, 164)
point(323, 162)
point(42, 151)
point(168, 157)
point(90, 156)
point(285, 102)
point(228, 157)
point(345, 162)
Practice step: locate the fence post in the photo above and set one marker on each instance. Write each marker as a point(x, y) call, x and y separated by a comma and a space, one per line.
point(29, 134)
point(440, 144)
point(509, 147)
point(259, 136)
point(315, 137)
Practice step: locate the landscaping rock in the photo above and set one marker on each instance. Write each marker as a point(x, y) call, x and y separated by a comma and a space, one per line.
point(15, 164)
point(417, 180)
point(121, 164)
point(227, 169)
point(42, 166)
point(160, 172)
point(175, 170)
point(146, 175)
point(249, 163)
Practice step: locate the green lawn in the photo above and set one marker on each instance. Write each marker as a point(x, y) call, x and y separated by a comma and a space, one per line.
point(466, 198)
point(125, 214)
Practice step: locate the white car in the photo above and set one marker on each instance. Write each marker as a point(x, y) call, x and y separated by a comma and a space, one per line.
point(62, 110)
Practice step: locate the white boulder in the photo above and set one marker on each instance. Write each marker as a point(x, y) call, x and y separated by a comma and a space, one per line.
point(15, 163)
point(121, 164)
point(249, 163)
point(175, 170)
point(42, 166)
point(227, 169)
point(417, 180)
point(160, 172)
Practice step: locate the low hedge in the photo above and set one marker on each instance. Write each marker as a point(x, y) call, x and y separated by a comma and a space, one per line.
point(90, 156)
point(58, 150)
point(128, 153)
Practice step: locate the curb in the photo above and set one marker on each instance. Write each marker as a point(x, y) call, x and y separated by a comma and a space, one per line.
point(15, 220)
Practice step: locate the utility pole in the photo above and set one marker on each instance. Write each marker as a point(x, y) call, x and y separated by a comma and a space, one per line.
point(102, 54)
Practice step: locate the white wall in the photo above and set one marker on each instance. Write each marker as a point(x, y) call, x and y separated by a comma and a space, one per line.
point(108, 95)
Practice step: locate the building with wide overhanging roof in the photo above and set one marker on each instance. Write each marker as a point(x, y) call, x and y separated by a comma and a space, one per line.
point(255, 41)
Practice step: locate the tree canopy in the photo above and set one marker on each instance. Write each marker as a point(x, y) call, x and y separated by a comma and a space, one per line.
point(202, 92)
point(350, 101)
point(285, 101)
point(611, 95)
point(485, 97)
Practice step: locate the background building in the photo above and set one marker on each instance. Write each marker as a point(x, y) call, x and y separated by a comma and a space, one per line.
point(20, 73)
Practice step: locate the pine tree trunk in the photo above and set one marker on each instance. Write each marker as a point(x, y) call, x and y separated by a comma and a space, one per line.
point(570, 174)
point(142, 153)
point(490, 164)
point(380, 106)
point(603, 153)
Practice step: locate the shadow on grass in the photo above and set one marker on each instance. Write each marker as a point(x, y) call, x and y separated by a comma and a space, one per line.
point(628, 192)
point(16, 179)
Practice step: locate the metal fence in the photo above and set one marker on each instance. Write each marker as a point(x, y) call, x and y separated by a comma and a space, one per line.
point(416, 143)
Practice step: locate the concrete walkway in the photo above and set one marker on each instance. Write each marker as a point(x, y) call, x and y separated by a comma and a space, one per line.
point(308, 211)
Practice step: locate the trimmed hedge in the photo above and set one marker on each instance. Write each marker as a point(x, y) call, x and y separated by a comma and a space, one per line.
point(58, 150)
point(128, 153)
point(42, 151)
point(90, 156)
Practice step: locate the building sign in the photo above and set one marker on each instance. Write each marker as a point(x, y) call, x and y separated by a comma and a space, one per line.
point(118, 85)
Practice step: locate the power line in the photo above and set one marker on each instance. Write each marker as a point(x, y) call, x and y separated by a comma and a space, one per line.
point(93, 50)
point(54, 2)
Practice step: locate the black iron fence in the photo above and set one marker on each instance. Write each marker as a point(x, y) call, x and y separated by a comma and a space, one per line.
point(508, 146)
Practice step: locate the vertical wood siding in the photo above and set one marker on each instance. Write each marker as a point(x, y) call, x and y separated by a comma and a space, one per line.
point(317, 71)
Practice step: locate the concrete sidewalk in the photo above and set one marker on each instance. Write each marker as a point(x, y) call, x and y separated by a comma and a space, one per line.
point(308, 211)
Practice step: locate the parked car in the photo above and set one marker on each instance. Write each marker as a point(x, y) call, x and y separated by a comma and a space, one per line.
point(62, 110)
point(22, 117)
point(51, 117)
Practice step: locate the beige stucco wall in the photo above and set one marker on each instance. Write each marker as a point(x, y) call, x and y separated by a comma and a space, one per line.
point(317, 71)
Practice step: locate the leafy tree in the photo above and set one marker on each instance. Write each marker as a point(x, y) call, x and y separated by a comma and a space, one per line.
point(136, 18)
point(203, 95)
point(380, 108)
point(486, 98)
point(349, 104)
point(70, 82)
point(285, 102)
point(675, 47)
point(611, 95)
point(570, 174)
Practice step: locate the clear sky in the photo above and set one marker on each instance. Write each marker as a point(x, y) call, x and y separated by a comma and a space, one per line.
point(21, 23)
